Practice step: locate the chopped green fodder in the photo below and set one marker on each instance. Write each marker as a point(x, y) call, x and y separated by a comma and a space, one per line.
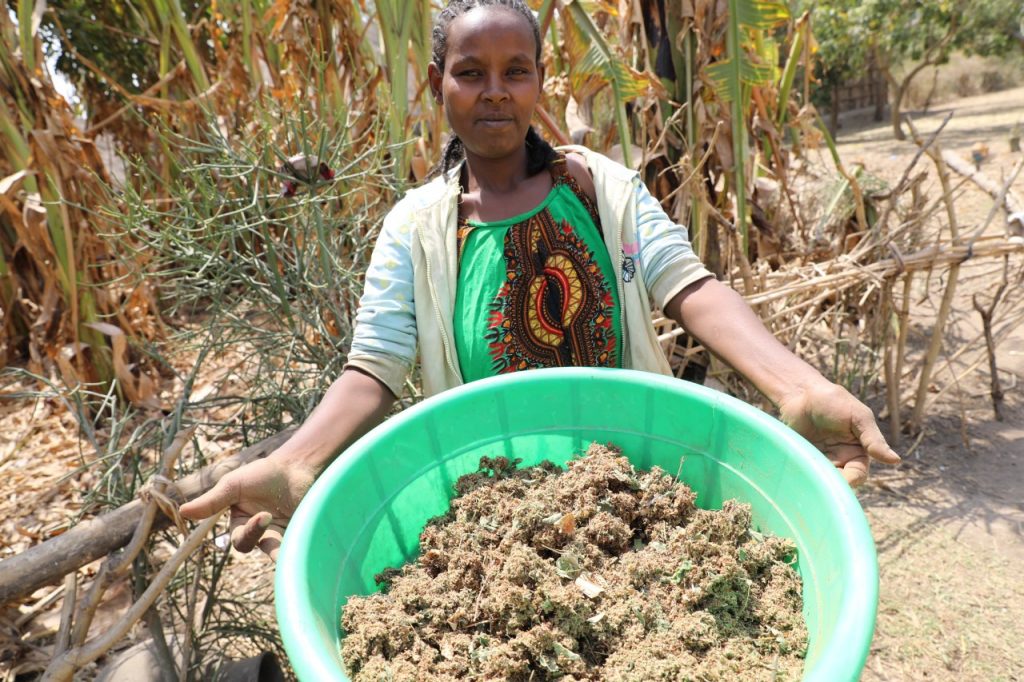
point(600, 572)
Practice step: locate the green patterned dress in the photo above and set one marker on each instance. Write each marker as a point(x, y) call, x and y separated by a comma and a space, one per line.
point(538, 289)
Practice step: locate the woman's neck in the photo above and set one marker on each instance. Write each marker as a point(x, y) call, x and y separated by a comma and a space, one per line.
point(495, 175)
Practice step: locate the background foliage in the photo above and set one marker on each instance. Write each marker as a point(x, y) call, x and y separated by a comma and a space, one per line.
point(921, 33)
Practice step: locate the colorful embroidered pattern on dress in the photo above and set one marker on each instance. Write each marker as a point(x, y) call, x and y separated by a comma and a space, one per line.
point(555, 308)
point(537, 289)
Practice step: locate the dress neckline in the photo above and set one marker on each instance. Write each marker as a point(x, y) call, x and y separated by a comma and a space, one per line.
point(559, 173)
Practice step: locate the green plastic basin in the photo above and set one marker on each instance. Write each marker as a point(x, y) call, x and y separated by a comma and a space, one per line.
point(366, 511)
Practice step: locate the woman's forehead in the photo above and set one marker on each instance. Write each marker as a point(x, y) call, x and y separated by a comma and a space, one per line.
point(485, 29)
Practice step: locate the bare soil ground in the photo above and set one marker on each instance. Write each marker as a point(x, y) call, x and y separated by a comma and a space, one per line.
point(948, 522)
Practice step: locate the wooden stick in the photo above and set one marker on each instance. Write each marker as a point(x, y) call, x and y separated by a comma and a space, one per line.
point(901, 353)
point(990, 345)
point(39, 606)
point(63, 667)
point(175, 72)
point(552, 126)
point(117, 565)
point(997, 336)
point(47, 562)
point(733, 234)
point(998, 201)
point(935, 342)
point(190, 599)
point(934, 346)
point(1012, 204)
point(892, 390)
point(66, 612)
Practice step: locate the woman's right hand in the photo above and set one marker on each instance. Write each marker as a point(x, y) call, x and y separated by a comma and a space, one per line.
point(262, 495)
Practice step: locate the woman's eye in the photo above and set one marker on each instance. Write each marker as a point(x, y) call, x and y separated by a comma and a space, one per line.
point(469, 73)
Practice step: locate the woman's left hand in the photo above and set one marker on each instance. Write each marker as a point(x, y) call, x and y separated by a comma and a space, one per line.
point(839, 425)
point(824, 413)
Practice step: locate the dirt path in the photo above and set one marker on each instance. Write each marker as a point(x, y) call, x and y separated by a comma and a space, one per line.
point(949, 523)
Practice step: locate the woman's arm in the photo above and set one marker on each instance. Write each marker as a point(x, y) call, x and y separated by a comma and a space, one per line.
point(823, 412)
point(264, 494)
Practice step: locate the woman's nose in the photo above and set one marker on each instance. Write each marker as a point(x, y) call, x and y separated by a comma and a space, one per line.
point(495, 90)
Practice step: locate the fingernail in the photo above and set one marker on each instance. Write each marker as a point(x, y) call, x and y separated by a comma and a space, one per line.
point(265, 520)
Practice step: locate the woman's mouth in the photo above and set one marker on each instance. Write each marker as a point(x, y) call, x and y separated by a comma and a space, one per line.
point(495, 122)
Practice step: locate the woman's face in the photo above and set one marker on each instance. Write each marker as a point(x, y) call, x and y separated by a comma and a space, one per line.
point(491, 81)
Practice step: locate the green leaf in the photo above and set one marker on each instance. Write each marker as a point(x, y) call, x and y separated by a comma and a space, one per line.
point(566, 652)
point(550, 663)
point(568, 566)
point(681, 572)
point(723, 75)
point(628, 84)
point(761, 15)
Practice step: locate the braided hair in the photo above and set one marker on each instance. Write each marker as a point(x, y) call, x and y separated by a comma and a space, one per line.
point(538, 152)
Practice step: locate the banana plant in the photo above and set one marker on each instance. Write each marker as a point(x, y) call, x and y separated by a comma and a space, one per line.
point(591, 55)
point(736, 74)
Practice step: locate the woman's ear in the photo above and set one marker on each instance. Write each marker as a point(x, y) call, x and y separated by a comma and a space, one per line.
point(435, 76)
point(540, 76)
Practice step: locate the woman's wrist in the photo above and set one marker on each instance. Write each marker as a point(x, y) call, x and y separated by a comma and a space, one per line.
point(354, 404)
point(793, 382)
point(310, 459)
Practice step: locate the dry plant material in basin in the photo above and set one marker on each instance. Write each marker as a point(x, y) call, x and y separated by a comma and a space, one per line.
point(600, 572)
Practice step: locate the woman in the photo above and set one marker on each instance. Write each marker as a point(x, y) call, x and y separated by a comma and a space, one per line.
point(518, 256)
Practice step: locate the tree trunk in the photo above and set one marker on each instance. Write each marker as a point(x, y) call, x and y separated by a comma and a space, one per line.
point(896, 115)
point(932, 89)
point(932, 57)
point(833, 121)
point(896, 89)
point(878, 83)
